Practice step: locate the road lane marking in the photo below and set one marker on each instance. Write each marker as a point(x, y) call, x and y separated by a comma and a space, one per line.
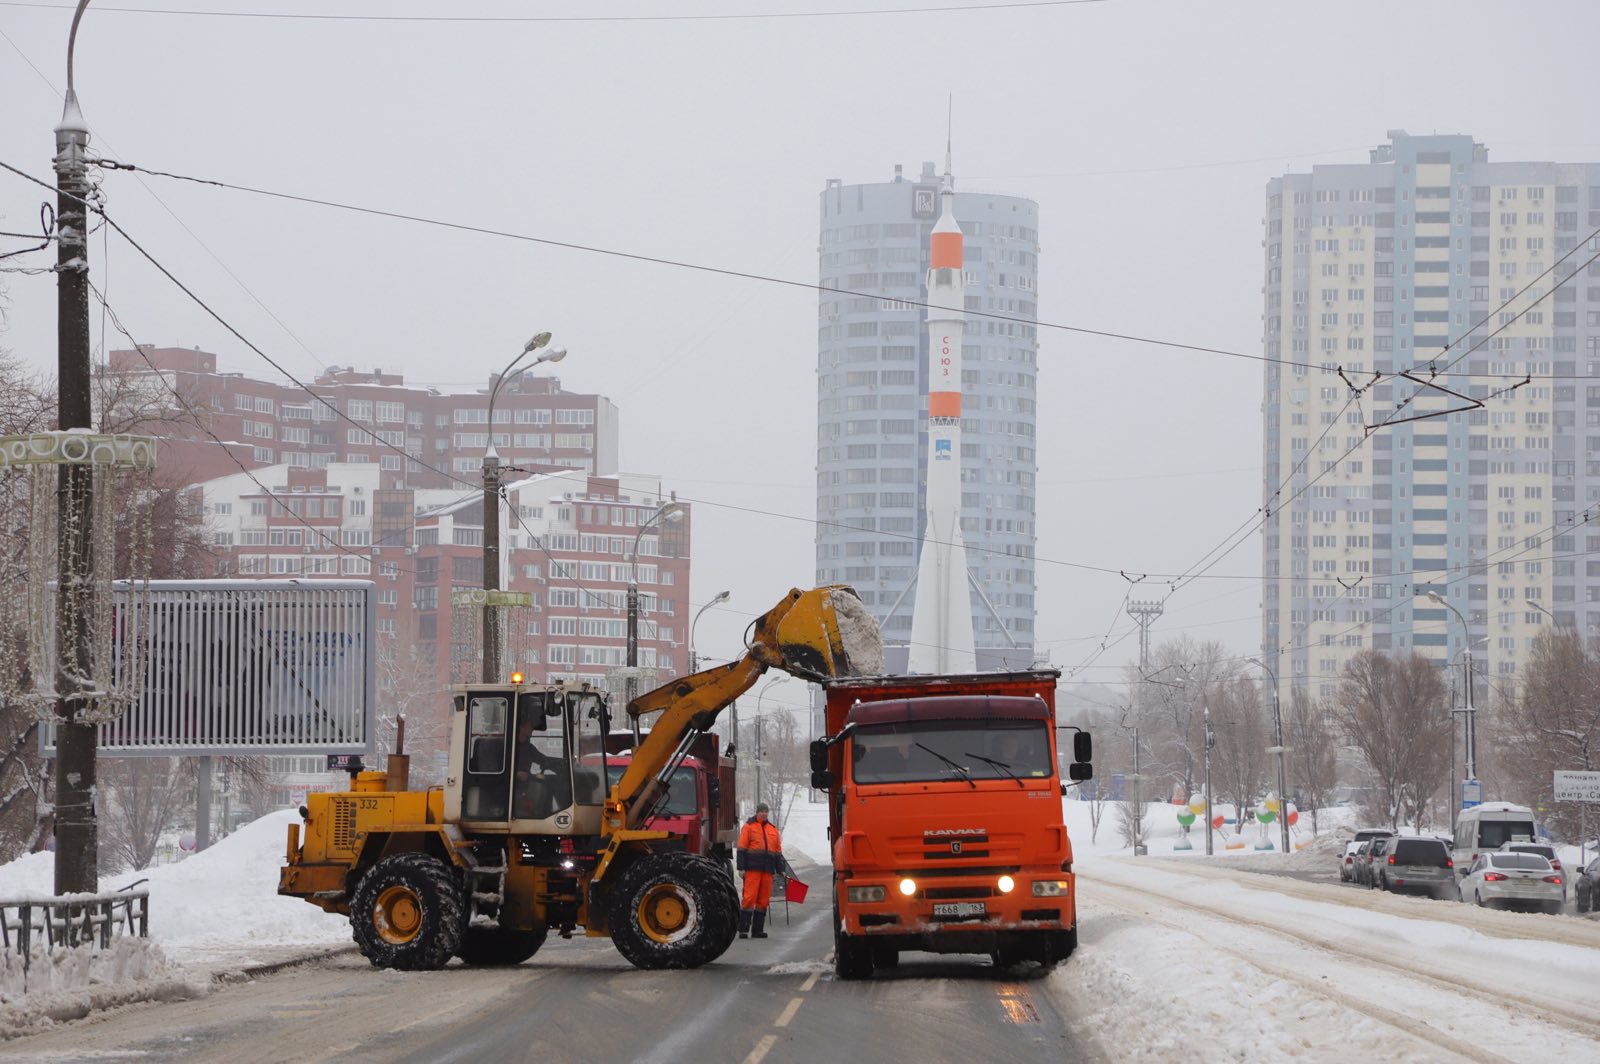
point(1016, 1003)
point(763, 1047)
point(811, 981)
point(788, 1012)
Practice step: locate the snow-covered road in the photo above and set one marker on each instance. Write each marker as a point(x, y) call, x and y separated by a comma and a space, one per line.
point(1191, 960)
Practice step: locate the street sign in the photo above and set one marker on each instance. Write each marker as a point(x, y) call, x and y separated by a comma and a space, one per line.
point(1577, 786)
point(1471, 793)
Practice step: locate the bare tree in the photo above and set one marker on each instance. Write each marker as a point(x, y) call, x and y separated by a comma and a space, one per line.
point(1394, 711)
point(1239, 762)
point(141, 799)
point(1313, 751)
point(1552, 721)
point(408, 687)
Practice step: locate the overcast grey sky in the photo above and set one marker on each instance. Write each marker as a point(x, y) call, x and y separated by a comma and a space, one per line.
point(1145, 129)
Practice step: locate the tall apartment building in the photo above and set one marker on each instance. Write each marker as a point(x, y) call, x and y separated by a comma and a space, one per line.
point(401, 430)
point(872, 392)
point(1377, 268)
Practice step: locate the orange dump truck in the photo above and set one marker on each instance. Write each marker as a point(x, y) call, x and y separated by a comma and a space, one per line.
point(945, 818)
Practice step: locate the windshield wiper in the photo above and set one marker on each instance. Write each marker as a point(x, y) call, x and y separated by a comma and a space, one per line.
point(959, 768)
point(1001, 765)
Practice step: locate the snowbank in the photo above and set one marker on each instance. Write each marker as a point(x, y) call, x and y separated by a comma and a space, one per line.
point(218, 908)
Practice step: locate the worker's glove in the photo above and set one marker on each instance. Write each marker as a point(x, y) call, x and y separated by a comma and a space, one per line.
point(739, 861)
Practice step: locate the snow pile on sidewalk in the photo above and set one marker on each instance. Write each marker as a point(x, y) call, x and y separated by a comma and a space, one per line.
point(219, 908)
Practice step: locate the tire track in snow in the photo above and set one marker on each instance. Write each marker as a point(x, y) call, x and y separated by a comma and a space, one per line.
point(1585, 1025)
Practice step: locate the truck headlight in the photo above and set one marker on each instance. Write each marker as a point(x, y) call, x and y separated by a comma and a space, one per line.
point(859, 895)
point(1006, 884)
point(1051, 888)
point(908, 887)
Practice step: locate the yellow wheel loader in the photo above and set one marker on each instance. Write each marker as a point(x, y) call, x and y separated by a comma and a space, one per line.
point(523, 839)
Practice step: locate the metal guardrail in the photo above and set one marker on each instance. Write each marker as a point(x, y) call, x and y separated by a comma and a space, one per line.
point(45, 924)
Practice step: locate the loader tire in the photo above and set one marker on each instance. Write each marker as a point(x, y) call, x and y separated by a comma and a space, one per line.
point(490, 947)
point(671, 910)
point(407, 913)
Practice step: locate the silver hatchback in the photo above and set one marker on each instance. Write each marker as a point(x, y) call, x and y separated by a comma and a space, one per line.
point(1514, 880)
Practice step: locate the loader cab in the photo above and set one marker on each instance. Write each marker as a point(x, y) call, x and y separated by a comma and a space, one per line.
point(516, 759)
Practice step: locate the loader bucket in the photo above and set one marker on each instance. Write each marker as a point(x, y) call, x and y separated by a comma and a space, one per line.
point(828, 633)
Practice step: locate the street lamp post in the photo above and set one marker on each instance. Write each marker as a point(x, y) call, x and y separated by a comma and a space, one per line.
point(760, 750)
point(671, 511)
point(491, 506)
point(694, 659)
point(1470, 753)
point(1280, 750)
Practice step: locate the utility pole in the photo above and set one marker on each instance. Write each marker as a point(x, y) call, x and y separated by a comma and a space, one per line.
point(1144, 614)
point(493, 599)
point(1211, 740)
point(76, 865)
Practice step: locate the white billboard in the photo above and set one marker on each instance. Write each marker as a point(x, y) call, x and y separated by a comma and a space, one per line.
point(247, 667)
point(1577, 786)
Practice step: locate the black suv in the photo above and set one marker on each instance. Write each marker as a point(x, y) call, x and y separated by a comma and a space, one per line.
point(1587, 889)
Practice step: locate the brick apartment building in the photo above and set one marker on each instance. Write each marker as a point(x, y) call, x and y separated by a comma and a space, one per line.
point(370, 478)
point(406, 432)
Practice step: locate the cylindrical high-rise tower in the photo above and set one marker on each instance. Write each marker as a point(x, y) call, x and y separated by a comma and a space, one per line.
point(872, 391)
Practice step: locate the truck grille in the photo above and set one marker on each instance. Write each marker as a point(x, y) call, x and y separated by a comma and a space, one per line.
point(957, 893)
point(344, 824)
point(948, 847)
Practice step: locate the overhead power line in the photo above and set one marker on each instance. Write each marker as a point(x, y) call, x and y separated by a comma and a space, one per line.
point(737, 16)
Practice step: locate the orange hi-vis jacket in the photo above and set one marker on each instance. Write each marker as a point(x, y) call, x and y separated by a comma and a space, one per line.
point(760, 855)
point(762, 846)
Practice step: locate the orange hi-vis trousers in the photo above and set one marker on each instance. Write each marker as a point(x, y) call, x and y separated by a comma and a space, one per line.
point(757, 890)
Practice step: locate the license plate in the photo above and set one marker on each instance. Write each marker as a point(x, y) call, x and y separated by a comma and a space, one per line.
point(959, 908)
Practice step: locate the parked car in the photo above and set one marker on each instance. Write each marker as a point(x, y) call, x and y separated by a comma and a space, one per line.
point(1417, 864)
point(1543, 849)
point(1347, 863)
point(1376, 856)
point(1586, 891)
point(1363, 861)
point(1513, 880)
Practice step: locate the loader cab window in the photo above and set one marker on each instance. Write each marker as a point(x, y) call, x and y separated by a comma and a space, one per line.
point(542, 781)
point(589, 725)
point(488, 768)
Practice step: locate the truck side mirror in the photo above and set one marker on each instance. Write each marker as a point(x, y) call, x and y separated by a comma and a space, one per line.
point(713, 791)
point(1080, 771)
point(1082, 749)
point(819, 756)
point(821, 779)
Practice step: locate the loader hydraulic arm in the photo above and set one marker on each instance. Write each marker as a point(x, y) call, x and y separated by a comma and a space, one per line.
point(817, 634)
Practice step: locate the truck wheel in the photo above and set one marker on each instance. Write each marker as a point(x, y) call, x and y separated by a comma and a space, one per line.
point(670, 910)
point(852, 958)
point(491, 947)
point(1062, 944)
point(407, 913)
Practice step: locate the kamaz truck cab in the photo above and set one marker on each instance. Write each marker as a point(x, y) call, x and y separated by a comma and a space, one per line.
point(946, 820)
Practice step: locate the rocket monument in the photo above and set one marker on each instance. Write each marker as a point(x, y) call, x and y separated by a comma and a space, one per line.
point(941, 615)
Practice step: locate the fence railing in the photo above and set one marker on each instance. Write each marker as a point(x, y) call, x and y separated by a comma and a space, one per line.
point(33, 925)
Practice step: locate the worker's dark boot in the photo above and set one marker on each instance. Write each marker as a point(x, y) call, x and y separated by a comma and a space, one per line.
point(759, 926)
point(744, 923)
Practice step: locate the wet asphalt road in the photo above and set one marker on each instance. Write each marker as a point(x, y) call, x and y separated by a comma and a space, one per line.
point(764, 1001)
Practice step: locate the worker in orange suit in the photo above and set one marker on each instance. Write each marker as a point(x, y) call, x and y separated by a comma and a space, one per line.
point(760, 854)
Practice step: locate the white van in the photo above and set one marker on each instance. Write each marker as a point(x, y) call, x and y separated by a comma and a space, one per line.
point(1488, 827)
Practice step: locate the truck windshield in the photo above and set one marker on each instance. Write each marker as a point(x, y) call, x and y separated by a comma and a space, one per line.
point(680, 799)
point(921, 751)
